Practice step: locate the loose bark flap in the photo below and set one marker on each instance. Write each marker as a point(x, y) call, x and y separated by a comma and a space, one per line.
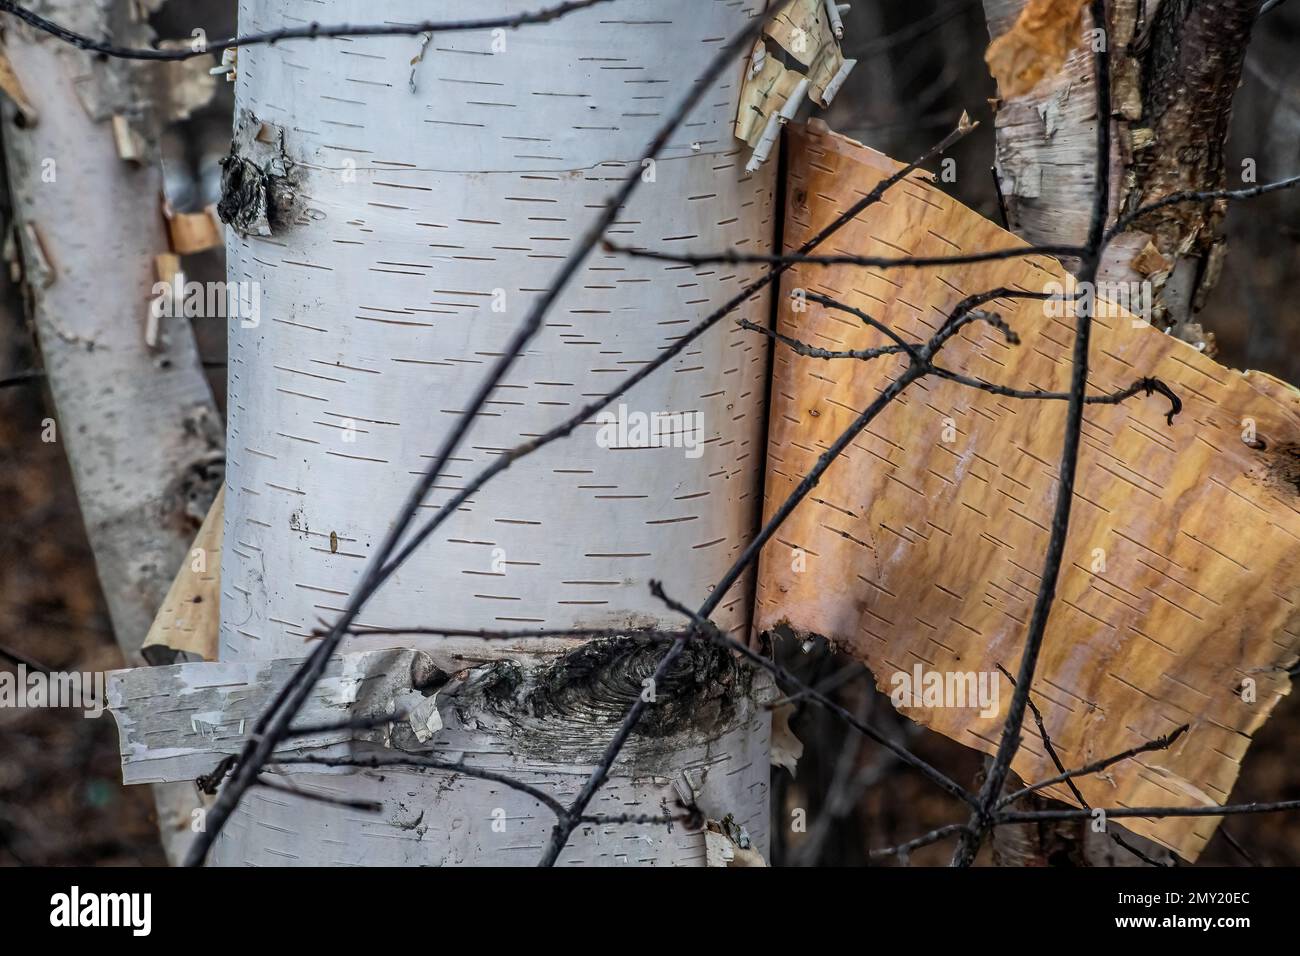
point(186, 625)
point(176, 722)
point(1036, 45)
point(800, 43)
point(1178, 602)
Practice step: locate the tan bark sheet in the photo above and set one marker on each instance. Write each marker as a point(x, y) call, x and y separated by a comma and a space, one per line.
point(802, 30)
point(188, 618)
point(915, 550)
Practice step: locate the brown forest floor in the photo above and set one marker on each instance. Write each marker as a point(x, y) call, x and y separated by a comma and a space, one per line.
point(61, 795)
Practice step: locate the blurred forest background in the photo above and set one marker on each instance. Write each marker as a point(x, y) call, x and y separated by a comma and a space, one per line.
point(921, 62)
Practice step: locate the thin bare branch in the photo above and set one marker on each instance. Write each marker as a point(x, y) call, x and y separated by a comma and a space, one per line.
point(366, 806)
point(934, 836)
point(812, 351)
point(313, 31)
point(1148, 385)
point(1123, 224)
point(733, 257)
point(1097, 766)
point(417, 762)
point(1011, 738)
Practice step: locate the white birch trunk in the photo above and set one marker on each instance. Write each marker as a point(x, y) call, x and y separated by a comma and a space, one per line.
point(422, 207)
point(1176, 65)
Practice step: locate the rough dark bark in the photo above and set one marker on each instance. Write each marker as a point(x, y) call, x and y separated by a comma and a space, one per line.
point(1191, 56)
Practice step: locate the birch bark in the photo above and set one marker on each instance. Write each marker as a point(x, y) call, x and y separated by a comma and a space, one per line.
point(422, 191)
point(1177, 65)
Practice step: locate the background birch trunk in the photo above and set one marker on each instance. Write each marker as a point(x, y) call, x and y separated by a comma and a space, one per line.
point(138, 424)
point(1176, 66)
point(420, 192)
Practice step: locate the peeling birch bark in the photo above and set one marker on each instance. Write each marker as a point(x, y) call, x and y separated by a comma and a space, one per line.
point(399, 203)
point(210, 708)
point(139, 425)
point(192, 232)
point(1193, 55)
point(1179, 601)
point(185, 627)
point(711, 750)
point(1045, 137)
point(796, 59)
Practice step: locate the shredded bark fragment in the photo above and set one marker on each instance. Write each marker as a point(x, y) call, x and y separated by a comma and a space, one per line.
point(1036, 45)
point(597, 681)
point(258, 196)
